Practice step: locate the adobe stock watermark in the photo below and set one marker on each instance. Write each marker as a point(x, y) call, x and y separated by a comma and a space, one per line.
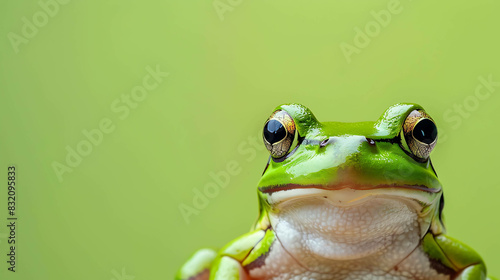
point(121, 107)
point(224, 6)
point(363, 36)
point(122, 275)
point(219, 180)
point(462, 111)
point(48, 9)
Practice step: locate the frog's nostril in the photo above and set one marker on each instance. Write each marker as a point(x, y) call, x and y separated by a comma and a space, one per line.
point(324, 142)
point(370, 141)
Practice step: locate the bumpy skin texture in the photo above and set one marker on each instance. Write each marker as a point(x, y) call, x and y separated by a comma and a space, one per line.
point(349, 201)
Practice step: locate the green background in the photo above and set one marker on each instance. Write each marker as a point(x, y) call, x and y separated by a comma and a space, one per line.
point(119, 208)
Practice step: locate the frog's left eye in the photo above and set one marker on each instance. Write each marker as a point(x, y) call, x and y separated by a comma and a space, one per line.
point(420, 133)
point(279, 132)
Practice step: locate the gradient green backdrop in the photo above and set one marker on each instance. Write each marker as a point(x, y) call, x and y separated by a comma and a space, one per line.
point(116, 215)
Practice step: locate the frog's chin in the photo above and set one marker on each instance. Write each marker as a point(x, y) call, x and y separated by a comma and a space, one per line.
point(350, 224)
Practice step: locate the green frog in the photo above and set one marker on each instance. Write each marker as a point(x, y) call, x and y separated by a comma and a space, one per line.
point(345, 201)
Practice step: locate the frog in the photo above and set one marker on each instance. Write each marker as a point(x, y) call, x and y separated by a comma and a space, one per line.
point(345, 201)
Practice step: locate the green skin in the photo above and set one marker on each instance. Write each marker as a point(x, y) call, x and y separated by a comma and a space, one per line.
point(392, 165)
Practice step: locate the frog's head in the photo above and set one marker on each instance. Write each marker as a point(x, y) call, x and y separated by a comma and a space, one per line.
point(365, 167)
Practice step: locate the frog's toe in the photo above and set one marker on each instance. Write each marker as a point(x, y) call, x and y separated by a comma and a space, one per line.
point(473, 272)
point(227, 268)
point(198, 266)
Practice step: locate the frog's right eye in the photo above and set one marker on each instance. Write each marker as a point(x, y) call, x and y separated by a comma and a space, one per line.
point(420, 134)
point(279, 133)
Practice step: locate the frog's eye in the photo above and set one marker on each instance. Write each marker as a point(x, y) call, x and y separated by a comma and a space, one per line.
point(420, 133)
point(279, 133)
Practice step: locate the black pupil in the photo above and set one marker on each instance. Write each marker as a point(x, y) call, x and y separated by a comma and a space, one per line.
point(425, 131)
point(274, 131)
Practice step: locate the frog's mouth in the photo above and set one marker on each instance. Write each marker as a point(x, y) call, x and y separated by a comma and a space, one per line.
point(347, 195)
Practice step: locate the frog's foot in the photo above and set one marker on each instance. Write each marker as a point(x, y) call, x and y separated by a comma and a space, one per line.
point(466, 261)
point(198, 266)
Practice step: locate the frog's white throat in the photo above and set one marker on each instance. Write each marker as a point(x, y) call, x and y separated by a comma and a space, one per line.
point(382, 225)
